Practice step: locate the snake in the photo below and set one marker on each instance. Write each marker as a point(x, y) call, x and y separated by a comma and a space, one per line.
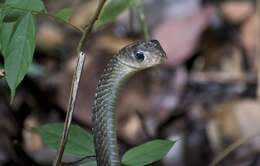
point(129, 60)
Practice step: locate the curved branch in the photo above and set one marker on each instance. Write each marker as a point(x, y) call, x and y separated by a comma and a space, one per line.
point(232, 148)
point(90, 26)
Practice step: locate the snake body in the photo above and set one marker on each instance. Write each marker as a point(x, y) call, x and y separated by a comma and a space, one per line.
point(131, 59)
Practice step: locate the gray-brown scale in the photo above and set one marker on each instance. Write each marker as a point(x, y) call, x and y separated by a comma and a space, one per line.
point(133, 58)
point(106, 96)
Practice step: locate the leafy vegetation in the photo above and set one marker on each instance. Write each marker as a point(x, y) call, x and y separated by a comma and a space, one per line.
point(17, 25)
point(80, 143)
point(64, 14)
point(147, 153)
point(17, 44)
point(112, 9)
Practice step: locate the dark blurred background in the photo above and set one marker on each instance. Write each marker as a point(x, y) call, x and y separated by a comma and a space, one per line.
point(205, 96)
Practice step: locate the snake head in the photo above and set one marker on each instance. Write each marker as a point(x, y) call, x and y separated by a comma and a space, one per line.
point(141, 55)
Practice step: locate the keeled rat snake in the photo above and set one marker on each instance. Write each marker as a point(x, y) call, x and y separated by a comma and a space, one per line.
point(131, 59)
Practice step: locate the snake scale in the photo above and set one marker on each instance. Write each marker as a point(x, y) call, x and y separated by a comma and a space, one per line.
point(130, 59)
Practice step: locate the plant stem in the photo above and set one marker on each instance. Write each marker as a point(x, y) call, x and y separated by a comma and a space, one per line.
point(71, 106)
point(75, 84)
point(90, 26)
point(143, 22)
point(257, 56)
point(47, 15)
point(60, 20)
point(231, 148)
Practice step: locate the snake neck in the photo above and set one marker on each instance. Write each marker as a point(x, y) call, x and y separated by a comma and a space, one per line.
point(104, 119)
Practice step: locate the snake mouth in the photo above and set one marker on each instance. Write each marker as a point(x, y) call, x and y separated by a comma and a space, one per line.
point(164, 57)
point(126, 64)
point(162, 53)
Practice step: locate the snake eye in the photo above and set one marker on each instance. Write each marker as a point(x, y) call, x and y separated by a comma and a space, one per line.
point(139, 56)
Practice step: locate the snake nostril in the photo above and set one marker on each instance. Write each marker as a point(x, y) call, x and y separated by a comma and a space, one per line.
point(154, 41)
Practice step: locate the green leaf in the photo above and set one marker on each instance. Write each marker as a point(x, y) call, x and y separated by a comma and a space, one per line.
point(6, 31)
point(19, 52)
point(1, 16)
point(12, 13)
point(64, 14)
point(147, 153)
point(80, 142)
point(13, 16)
point(112, 9)
point(36, 5)
point(1, 23)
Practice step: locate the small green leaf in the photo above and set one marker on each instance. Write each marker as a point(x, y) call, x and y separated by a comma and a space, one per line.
point(12, 15)
point(1, 23)
point(112, 9)
point(64, 14)
point(80, 142)
point(6, 31)
point(147, 153)
point(36, 5)
point(1, 16)
point(19, 52)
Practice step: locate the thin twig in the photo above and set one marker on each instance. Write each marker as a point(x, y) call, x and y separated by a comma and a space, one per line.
point(47, 15)
point(75, 84)
point(232, 148)
point(90, 26)
point(70, 109)
point(258, 46)
point(80, 161)
point(61, 20)
point(143, 22)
